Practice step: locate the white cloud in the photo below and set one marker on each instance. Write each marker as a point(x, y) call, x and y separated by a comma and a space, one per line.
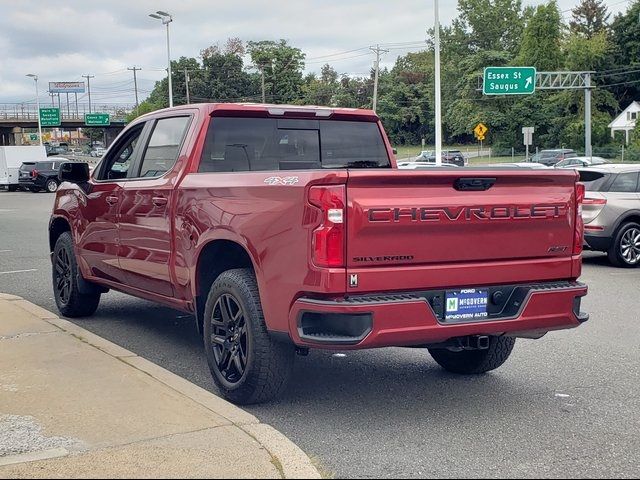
point(68, 38)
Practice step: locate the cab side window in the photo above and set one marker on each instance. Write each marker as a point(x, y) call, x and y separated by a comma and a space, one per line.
point(121, 157)
point(164, 146)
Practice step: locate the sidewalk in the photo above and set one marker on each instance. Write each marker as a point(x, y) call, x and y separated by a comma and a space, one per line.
point(74, 405)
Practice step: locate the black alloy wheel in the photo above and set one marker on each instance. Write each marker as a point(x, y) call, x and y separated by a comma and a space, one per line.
point(70, 299)
point(63, 275)
point(230, 338)
point(246, 363)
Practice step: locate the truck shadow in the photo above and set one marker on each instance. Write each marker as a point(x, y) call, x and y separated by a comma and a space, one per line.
point(373, 378)
point(596, 258)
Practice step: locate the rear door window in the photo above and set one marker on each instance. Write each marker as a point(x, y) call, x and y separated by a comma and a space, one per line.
point(625, 183)
point(264, 144)
point(593, 181)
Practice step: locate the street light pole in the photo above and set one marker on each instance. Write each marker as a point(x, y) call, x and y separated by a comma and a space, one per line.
point(166, 19)
point(438, 119)
point(35, 78)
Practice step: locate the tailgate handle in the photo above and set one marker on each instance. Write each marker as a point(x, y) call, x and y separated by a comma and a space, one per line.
point(474, 184)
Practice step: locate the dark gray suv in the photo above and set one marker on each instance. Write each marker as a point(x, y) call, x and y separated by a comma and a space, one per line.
point(611, 212)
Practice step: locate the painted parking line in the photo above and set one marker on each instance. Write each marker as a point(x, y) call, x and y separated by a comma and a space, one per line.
point(18, 271)
point(5, 251)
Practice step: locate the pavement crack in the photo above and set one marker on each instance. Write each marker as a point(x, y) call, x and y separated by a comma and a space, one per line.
point(25, 335)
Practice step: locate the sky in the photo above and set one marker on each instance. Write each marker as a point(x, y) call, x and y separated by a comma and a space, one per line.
point(65, 39)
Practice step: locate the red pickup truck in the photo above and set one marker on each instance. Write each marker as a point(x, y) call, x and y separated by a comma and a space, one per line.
point(289, 228)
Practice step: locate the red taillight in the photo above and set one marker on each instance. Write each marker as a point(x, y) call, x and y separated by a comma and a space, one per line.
point(34, 173)
point(328, 239)
point(594, 201)
point(579, 233)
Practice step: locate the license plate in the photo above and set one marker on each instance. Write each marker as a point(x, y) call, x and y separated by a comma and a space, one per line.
point(466, 305)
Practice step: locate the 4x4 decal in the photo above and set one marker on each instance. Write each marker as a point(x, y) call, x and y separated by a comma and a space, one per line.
point(282, 180)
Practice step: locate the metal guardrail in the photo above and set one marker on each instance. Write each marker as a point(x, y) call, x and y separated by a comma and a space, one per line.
point(29, 112)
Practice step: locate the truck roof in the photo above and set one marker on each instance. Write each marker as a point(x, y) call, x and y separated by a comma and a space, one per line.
point(272, 110)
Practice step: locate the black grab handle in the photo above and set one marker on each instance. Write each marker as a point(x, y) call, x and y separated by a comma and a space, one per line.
point(474, 184)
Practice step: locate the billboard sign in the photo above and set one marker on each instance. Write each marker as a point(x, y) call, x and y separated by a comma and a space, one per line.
point(66, 87)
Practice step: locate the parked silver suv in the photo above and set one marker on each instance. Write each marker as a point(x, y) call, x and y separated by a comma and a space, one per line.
point(611, 212)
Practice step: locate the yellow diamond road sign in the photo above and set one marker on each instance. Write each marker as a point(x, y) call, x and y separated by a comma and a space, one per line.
point(480, 130)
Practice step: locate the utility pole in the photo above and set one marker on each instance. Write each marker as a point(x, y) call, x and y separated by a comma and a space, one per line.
point(186, 82)
point(264, 98)
point(135, 85)
point(89, 77)
point(377, 51)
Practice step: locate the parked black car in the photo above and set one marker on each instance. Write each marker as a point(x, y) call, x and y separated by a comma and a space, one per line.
point(38, 176)
point(454, 157)
point(551, 157)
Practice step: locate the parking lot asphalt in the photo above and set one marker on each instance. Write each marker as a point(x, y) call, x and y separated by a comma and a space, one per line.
point(563, 406)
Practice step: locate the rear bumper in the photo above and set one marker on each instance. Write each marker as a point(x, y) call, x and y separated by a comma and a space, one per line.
point(598, 243)
point(412, 318)
point(29, 183)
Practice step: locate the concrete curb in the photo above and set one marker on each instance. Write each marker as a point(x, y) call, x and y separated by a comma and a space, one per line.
point(290, 459)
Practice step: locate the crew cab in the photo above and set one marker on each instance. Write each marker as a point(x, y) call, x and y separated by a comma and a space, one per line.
point(286, 228)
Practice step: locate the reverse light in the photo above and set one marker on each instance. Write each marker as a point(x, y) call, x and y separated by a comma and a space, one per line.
point(327, 243)
point(579, 230)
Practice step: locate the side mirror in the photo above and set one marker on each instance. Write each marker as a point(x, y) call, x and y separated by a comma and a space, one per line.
point(74, 172)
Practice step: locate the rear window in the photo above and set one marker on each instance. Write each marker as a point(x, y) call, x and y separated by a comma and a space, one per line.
point(44, 165)
point(593, 181)
point(264, 144)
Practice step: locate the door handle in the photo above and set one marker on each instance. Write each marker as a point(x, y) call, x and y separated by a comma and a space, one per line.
point(159, 201)
point(112, 200)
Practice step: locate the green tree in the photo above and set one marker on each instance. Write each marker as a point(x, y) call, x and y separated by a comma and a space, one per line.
point(587, 53)
point(490, 24)
point(590, 18)
point(321, 91)
point(406, 98)
point(542, 39)
point(145, 107)
point(224, 79)
point(625, 34)
point(283, 67)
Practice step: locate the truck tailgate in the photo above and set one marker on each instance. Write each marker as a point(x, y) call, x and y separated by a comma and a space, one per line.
point(460, 220)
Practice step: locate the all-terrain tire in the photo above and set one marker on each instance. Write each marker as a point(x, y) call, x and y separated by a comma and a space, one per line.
point(69, 300)
point(475, 362)
point(247, 365)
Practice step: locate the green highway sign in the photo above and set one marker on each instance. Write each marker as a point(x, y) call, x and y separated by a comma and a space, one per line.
point(33, 137)
point(509, 80)
point(50, 117)
point(97, 119)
